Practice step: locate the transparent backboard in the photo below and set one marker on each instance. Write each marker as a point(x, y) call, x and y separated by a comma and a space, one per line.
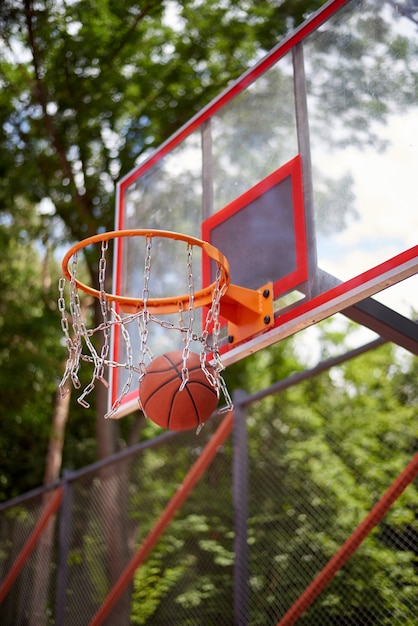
point(303, 174)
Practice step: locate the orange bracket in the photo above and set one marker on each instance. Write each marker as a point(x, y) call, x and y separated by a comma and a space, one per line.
point(248, 311)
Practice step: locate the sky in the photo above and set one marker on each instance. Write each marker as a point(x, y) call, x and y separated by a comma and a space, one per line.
point(386, 201)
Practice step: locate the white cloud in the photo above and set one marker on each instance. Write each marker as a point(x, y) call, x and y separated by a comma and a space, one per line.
point(386, 200)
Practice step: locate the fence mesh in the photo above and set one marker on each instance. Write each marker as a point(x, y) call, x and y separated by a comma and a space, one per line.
point(305, 497)
point(34, 586)
point(304, 504)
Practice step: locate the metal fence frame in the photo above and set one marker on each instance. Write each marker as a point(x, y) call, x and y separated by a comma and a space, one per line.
point(58, 497)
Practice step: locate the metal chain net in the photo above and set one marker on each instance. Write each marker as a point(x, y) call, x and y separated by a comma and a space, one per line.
point(80, 340)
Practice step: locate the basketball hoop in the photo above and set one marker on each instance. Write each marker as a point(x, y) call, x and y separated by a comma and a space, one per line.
point(123, 311)
point(154, 305)
point(247, 311)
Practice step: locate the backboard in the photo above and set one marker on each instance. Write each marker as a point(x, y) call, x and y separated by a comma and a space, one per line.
point(303, 174)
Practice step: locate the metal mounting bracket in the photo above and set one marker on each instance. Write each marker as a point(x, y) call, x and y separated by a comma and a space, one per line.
point(248, 311)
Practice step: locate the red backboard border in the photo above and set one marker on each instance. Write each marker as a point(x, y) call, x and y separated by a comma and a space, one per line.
point(292, 169)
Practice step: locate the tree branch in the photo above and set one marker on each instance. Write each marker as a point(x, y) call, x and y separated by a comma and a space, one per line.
point(40, 95)
point(404, 10)
point(123, 40)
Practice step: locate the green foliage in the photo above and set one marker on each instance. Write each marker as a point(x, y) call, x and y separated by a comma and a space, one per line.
point(100, 83)
point(321, 454)
point(86, 90)
point(152, 583)
point(30, 357)
point(335, 444)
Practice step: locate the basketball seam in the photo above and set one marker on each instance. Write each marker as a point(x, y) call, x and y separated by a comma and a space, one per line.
point(179, 373)
point(193, 403)
point(157, 389)
point(194, 382)
point(198, 382)
point(175, 367)
point(173, 397)
point(194, 368)
point(162, 371)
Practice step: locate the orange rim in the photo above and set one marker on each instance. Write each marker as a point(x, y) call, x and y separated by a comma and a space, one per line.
point(172, 304)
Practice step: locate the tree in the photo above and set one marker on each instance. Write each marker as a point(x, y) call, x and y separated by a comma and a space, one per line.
point(30, 353)
point(320, 454)
point(335, 443)
point(31, 358)
point(88, 89)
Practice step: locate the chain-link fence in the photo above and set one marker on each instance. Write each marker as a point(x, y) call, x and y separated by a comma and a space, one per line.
point(280, 498)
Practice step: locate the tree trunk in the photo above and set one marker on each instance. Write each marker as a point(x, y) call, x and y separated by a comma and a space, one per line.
point(56, 440)
point(107, 430)
point(42, 567)
point(115, 496)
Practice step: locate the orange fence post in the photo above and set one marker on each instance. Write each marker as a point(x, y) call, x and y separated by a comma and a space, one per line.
point(351, 544)
point(181, 495)
point(51, 508)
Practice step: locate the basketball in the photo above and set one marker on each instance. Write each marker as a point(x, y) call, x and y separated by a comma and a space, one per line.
point(164, 403)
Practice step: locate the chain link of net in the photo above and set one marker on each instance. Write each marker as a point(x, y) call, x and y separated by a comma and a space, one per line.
point(104, 309)
point(212, 318)
point(73, 345)
point(188, 328)
point(80, 347)
point(144, 319)
point(81, 333)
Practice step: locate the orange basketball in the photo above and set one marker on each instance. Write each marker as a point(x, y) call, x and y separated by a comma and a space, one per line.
point(162, 400)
